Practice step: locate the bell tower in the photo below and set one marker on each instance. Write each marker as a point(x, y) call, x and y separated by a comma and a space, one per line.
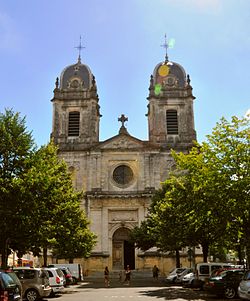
point(76, 112)
point(170, 106)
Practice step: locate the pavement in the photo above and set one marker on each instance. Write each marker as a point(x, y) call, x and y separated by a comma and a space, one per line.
point(115, 282)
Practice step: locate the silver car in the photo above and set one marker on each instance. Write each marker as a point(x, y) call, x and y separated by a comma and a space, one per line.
point(56, 280)
point(35, 282)
point(244, 286)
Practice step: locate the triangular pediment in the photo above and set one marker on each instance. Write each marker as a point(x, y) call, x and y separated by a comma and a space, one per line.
point(122, 141)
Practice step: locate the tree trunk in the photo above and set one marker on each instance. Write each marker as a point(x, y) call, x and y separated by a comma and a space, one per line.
point(248, 254)
point(205, 249)
point(45, 256)
point(177, 258)
point(4, 253)
point(4, 258)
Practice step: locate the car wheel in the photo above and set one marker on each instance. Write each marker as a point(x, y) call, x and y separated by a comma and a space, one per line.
point(230, 293)
point(31, 295)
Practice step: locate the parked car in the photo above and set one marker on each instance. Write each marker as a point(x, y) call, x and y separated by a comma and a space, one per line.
point(10, 287)
point(56, 280)
point(35, 282)
point(74, 268)
point(244, 286)
point(67, 275)
point(225, 283)
point(171, 278)
point(204, 270)
point(188, 279)
point(181, 275)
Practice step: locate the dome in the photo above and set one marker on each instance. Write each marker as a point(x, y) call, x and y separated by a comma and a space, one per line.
point(77, 76)
point(170, 74)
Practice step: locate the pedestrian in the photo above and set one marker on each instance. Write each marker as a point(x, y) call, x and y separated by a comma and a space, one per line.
point(106, 277)
point(155, 272)
point(120, 276)
point(127, 275)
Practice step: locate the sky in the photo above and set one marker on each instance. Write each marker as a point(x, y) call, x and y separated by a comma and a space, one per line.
point(122, 41)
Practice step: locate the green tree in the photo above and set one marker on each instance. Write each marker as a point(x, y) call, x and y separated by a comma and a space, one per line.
point(205, 213)
point(16, 145)
point(57, 220)
point(208, 193)
point(165, 227)
point(228, 152)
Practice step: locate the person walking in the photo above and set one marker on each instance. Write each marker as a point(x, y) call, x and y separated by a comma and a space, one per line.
point(106, 277)
point(155, 272)
point(127, 275)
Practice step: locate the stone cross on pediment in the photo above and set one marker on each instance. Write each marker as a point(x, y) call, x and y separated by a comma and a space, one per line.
point(122, 119)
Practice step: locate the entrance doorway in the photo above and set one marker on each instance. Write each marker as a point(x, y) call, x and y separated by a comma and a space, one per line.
point(123, 250)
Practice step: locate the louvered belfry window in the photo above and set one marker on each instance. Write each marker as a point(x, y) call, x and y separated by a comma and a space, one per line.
point(74, 124)
point(172, 122)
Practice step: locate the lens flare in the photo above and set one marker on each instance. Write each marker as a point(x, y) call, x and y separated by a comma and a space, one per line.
point(171, 43)
point(163, 70)
point(157, 89)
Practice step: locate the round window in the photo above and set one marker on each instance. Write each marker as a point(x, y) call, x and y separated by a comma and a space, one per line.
point(123, 175)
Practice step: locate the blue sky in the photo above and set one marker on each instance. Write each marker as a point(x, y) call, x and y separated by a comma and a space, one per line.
point(122, 40)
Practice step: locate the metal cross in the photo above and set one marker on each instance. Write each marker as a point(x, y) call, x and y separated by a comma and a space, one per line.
point(80, 47)
point(166, 46)
point(123, 119)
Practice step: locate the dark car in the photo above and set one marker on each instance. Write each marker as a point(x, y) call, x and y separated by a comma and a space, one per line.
point(67, 275)
point(10, 287)
point(225, 283)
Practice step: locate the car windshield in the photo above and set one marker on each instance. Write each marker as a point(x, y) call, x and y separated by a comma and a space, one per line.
point(179, 271)
point(25, 274)
point(247, 275)
point(59, 272)
point(7, 280)
point(44, 274)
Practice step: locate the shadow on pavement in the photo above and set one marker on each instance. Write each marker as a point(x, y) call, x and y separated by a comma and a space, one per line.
point(157, 289)
point(174, 292)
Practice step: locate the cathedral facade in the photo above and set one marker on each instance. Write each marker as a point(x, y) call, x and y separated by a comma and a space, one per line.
point(119, 175)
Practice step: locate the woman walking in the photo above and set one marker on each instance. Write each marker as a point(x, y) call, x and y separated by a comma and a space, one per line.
point(106, 277)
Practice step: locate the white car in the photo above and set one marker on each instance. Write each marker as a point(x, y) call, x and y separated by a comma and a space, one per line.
point(244, 286)
point(188, 279)
point(56, 280)
point(171, 278)
point(181, 275)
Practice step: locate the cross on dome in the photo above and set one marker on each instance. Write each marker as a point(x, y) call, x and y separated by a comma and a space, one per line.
point(166, 46)
point(80, 47)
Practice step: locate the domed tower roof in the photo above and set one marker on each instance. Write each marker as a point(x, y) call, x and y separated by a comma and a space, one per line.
point(76, 76)
point(169, 73)
point(170, 107)
point(168, 76)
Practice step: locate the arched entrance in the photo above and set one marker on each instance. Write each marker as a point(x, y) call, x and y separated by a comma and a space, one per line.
point(123, 251)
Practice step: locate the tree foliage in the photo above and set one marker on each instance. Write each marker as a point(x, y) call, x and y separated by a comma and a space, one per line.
point(205, 201)
point(39, 207)
point(57, 222)
point(16, 144)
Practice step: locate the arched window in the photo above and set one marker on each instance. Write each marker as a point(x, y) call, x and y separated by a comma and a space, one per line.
point(172, 122)
point(74, 124)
